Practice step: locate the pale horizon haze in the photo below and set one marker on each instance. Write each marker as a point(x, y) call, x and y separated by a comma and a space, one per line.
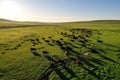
point(60, 10)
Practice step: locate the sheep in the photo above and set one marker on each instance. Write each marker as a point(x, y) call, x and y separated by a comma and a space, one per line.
point(84, 45)
point(74, 37)
point(61, 39)
point(49, 37)
point(43, 38)
point(92, 44)
point(100, 41)
point(32, 49)
point(68, 48)
point(94, 50)
point(45, 52)
point(87, 54)
point(78, 61)
point(72, 40)
point(47, 41)
point(32, 40)
point(67, 53)
point(63, 48)
point(38, 40)
point(58, 43)
point(52, 64)
point(61, 61)
point(3, 53)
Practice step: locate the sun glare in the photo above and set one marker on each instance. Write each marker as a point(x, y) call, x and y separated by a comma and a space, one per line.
point(10, 8)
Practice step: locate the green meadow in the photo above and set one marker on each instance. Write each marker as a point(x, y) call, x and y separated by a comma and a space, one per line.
point(27, 50)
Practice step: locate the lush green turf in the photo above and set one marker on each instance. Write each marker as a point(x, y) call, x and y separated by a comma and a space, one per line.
point(19, 60)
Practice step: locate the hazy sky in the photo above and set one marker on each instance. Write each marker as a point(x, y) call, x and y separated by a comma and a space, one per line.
point(59, 10)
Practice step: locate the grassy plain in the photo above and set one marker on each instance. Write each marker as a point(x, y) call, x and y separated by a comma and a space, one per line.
point(22, 58)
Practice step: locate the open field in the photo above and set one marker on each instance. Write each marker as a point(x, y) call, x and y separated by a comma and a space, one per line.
point(26, 52)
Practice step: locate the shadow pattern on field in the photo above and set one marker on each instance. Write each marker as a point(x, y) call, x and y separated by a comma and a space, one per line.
point(70, 72)
point(109, 59)
point(46, 73)
point(89, 63)
point(92, 73)
point(60, 74)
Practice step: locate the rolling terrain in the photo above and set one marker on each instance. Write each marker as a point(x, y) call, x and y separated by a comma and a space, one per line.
point(44, 51)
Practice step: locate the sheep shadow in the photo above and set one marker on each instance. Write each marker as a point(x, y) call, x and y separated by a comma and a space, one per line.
point(110, 45)
point(97, 61)
point(45, 74)
point(109, 59)
point(92, 73)
point(36, 54)
point(49, 58)
point(87, 62)
point(70, 72)
point(60, 74)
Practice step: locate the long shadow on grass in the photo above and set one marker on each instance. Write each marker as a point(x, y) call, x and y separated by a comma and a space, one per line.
point(45, 74)
point(60, 74)
point(113, 46)
point(73, 52)
point(118, 56)
point(36, 54)
point(70, 72)
point(97, 61)
point(49, 58)
point(92, 73)
point(109, 59)
point(85, 61)
point(110, 45)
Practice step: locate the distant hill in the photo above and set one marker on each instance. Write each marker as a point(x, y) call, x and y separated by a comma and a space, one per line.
point(107, 21)
point(95, 21)
point(98, 21)
point(5, 20)
point(4, 23)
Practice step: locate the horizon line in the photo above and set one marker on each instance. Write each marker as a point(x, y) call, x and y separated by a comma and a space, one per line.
point(61, 21)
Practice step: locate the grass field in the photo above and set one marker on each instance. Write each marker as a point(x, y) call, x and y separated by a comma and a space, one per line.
point(26, 52)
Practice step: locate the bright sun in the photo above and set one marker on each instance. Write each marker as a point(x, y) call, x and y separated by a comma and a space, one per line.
point(9, 8)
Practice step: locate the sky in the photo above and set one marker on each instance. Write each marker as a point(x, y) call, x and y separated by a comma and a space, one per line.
point(60, 10)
